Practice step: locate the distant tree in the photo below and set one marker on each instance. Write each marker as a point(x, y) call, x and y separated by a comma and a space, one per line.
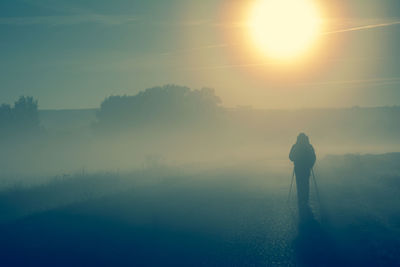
point(169, 104)
point(26, 113)
point(23, 117)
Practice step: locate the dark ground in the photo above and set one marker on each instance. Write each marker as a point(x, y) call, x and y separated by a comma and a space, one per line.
point(217, 218)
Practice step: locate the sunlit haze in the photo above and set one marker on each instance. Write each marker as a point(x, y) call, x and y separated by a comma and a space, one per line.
point(284, 29)
point(199, 133)
point(260, 53)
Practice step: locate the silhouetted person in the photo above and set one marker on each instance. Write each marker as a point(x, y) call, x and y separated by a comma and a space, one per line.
point(303, 156)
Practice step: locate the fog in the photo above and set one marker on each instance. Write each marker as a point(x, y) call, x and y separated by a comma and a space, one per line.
point(175, 126)
point(171, 176)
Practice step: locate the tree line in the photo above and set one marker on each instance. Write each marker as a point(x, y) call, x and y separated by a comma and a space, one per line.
point(22, 116)
point(168, 105)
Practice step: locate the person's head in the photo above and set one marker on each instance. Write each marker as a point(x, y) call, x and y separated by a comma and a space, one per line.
point(302, 138)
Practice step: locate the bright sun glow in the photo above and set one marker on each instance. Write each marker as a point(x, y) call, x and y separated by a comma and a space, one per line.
point(284, 29)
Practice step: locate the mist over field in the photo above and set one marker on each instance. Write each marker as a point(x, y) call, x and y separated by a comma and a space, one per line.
point(172, 177)
point(199, 133)
point(175, 126)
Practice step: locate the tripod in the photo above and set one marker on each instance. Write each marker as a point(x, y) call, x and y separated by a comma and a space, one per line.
point(315, 185)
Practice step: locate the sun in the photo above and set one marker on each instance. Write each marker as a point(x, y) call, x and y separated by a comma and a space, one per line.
point(284, 29)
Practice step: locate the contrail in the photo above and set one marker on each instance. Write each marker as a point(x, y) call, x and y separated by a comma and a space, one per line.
point(216, 46)
point(382, 81)
point(387, 80)
point(211, 46)
point(250, 65)
point(366, 27)
point(360, 28)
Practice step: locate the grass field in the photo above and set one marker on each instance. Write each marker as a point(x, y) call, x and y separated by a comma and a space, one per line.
point(230, 216)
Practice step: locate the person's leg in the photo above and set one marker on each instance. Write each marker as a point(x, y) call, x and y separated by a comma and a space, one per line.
point(300, 187)
point(303, 191)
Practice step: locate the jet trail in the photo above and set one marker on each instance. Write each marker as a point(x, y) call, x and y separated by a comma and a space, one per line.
point(216, 46)
point(366, 27)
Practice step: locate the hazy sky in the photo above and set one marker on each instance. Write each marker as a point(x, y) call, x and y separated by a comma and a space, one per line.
point(74, 53)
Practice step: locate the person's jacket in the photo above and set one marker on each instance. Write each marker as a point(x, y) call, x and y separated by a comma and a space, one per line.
point(302, 155)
